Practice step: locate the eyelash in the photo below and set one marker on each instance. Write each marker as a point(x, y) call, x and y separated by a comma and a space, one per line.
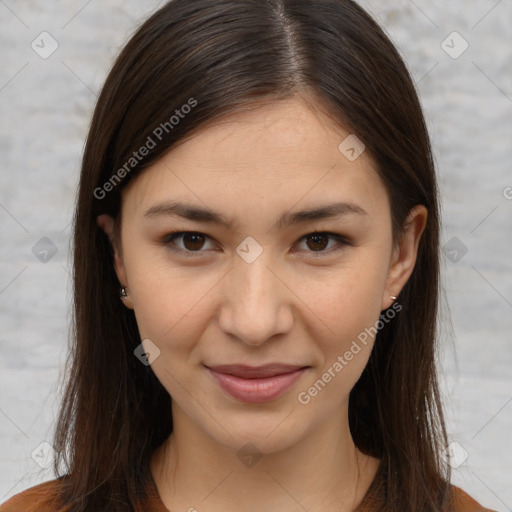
point(169, 238)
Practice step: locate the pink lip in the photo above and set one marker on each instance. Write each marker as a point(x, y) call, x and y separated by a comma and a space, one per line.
point(256, 384)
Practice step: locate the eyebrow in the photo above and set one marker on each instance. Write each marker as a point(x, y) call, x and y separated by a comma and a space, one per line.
point(200, 214)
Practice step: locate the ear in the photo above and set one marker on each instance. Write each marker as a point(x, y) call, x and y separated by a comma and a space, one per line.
point(405, 254)
point(106, 222)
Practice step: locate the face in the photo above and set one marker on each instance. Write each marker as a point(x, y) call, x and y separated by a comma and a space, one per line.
point(250, 283)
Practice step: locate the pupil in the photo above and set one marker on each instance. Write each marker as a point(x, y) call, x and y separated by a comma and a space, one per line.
point(195, 242)
point(192, 246)
point(316, 241)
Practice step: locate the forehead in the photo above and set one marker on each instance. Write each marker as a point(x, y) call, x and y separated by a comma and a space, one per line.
point(281, 153)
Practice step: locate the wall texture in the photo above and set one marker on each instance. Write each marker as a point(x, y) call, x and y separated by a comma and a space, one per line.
point(53, 59)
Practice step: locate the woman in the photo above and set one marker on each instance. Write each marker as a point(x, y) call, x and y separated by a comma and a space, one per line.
point(256, 247)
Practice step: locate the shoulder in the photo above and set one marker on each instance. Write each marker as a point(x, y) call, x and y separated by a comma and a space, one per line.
point(40, 498)
point(462, 501)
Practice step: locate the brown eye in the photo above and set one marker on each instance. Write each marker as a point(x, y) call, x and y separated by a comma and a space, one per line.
point(193, 241)
point(193, 244)
point(317, 242)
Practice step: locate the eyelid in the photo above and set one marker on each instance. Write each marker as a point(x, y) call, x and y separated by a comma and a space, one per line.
point(340, 239)
point(170, 237)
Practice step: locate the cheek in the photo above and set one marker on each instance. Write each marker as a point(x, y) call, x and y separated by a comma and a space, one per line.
point(346, 298)
point(342, 356)
point(171, 302)
point(168, 302)
point(347, 306)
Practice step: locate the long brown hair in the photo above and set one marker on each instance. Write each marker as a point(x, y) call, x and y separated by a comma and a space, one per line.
point(218, 57)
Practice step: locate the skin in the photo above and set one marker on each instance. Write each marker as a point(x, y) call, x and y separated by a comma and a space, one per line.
point(298, 303)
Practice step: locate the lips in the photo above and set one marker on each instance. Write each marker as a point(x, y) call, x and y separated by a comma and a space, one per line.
point(255, 372)
point(256, 384)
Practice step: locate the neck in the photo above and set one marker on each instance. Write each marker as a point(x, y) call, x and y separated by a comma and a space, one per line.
point(323, 472)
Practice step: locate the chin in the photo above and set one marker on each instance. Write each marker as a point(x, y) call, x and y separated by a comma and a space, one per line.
point(268, 434)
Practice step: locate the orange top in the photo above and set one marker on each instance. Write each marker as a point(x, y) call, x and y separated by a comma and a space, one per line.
point(43, 498)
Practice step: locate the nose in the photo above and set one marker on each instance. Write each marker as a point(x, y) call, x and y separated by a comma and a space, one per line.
point(256, 305)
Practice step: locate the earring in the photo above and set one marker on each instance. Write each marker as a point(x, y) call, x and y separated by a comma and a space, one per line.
point(392, 297)
point(122, 293)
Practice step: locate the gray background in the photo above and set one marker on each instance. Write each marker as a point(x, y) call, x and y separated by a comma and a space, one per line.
point(46, 105)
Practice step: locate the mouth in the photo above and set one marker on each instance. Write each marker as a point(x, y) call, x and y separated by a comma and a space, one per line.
point(256, 384)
